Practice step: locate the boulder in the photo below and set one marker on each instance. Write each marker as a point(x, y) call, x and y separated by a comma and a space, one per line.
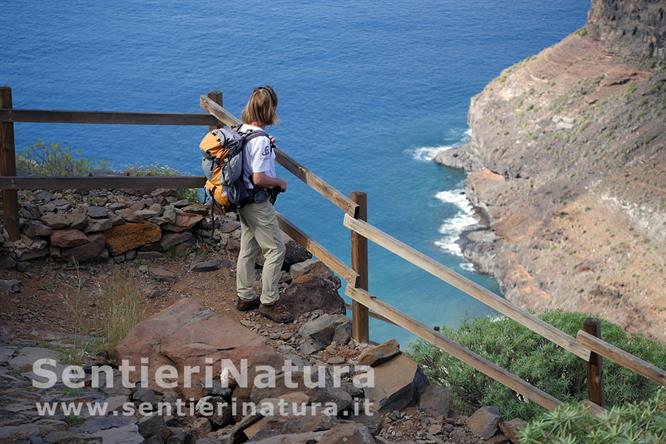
point(78, 220)
point(97, 225)
point(97, 212)
point(291, 438)
point(436, 400)
point(317, 270)
point(348, 433)
point(144, 395)
point(56, 221)
point(6, 262)
point(320, 332)
point(25, 248)
point(398, 383)
point(129, 236)
point(312, 292)
point(68, 238)
point(380, 353)
point(206, 266)
point(26, 356)
point(511, 428)
point(128, 434)
point(151, 425)
point(484, 422)
point(115, 219)
point(291, 424)
point(89, 251)
point(294, 253)
point(130, 215)
point(338, 396)
point(187, 333)
point(170, 240)
point(184, 222)
point(10, 285)
point(228, 226)
point(301, 268)
point(161, 274)
point(34, 228)
point(197, 208)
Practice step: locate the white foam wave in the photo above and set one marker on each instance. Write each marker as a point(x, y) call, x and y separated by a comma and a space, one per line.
point(467, 266)
point(453, 227)
point(427, 154)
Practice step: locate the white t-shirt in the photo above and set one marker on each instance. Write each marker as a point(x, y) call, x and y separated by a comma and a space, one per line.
point(258, 156)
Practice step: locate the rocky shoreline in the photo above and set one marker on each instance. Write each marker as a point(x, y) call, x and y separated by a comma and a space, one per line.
point(567, 172)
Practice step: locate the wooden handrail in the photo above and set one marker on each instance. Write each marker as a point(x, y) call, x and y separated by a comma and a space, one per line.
point(473, 289)
point(317, 250)
point(95, 182)
point(622, 358)
point(454, 349)
point(312, 180)
point(105, 117)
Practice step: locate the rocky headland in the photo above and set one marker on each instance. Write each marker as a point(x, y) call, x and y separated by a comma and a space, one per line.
point(567, 171)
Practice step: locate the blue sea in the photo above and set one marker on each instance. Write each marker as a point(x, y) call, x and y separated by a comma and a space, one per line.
point(368, 92)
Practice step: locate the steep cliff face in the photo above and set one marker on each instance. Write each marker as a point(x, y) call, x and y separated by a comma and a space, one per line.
point(630, 27)
point(568, 169)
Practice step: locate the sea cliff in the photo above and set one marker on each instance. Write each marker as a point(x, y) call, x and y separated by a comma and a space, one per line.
point(568, 171)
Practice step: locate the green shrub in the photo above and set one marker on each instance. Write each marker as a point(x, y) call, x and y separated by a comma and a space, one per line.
point(536, 360)
point(54, 159)
point(581, 31)
point(642, 422)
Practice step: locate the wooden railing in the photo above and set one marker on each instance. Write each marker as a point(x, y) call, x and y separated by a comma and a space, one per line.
point(587, 344)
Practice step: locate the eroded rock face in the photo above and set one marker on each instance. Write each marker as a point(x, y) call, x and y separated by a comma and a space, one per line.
point(631, 27)
point(568, 170)
point(187, 333)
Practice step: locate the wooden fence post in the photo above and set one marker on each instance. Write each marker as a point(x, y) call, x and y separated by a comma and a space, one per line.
point(8, 168)
point(595, 391)
point(359, 247)
point(217, 97)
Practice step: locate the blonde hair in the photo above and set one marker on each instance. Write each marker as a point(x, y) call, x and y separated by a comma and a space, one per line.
point(261, 108)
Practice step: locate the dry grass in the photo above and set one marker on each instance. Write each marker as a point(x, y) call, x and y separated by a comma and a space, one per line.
point(121, 309)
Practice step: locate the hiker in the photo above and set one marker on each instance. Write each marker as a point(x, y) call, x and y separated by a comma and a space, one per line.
point(259, 226)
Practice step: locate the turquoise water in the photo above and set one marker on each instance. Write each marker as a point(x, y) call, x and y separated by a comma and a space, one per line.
point(366, 90)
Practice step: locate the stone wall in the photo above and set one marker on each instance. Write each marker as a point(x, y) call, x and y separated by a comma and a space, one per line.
point(111, 225)
point(630, 27)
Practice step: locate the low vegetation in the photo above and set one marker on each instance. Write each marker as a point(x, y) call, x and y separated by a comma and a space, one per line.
point(536, 360)
point(55, 159)
point(120, 310)
point(641, 422)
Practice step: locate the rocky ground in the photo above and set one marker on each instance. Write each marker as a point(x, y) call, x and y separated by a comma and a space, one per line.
point(568, 172)
point(65, 279)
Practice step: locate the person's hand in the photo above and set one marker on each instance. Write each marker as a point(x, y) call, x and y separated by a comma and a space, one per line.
point(283, 186)
point(272, 139)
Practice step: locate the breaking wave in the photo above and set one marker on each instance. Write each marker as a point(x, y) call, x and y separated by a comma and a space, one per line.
point(453, 227)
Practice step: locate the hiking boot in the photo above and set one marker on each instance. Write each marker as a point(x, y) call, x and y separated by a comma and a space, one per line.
point(243, 305)
point(276, 312)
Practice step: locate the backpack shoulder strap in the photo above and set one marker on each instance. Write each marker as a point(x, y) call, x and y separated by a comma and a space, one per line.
point(254, 134)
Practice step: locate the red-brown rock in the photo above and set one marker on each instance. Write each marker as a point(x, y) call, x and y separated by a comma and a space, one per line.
point(184, 221)
point(187, 333)
point(87, 251)
point(398, 384)
point(126, 237)
point(68, 238)
point(380, 353)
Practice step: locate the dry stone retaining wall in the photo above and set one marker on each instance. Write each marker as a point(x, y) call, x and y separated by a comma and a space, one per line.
point(111, 225)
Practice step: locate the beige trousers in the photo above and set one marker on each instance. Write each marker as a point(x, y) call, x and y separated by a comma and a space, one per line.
point(259, 232)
